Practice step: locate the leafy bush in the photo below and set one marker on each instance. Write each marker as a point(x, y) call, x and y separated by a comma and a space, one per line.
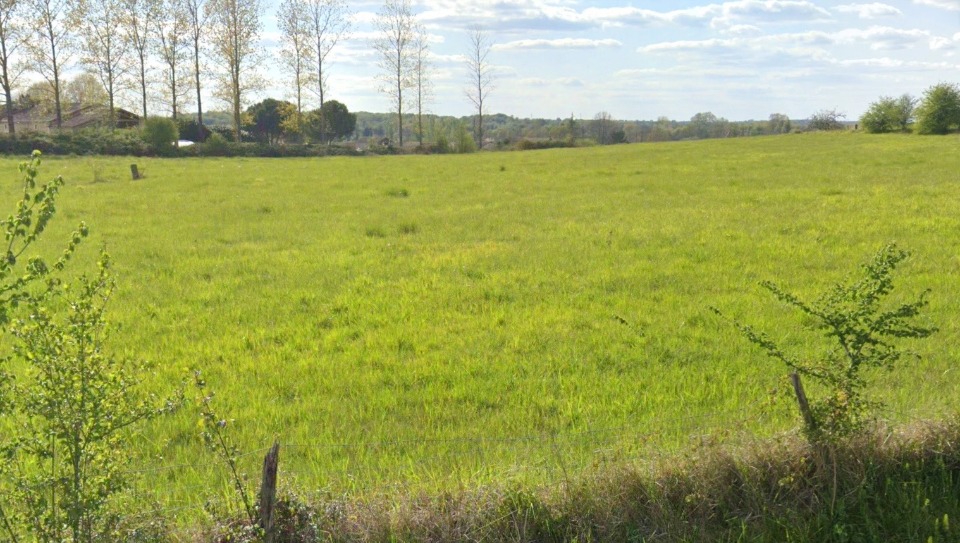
point(191, 130)
point(82, 142)
point(528, 145)
point(70, 411)
point(215, 145)
point(889, 114)
point(826, 119)
point(465, 143)
point(939, 111)
point(862, 334)
point(161, 134)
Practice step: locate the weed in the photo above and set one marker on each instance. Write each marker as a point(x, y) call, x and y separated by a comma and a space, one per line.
point(862, 333)
point(376, 232)
point(408, 228)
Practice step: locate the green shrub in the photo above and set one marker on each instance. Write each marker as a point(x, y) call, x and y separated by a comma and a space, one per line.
point(216, 145)
point(889, 114)
point(161, 134)
point(861, 333)
point(939, 111)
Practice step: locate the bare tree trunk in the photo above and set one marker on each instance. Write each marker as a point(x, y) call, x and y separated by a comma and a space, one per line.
point(7, 91)
point(196, 74)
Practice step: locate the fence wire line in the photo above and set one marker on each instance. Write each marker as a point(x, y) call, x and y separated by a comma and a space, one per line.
point(545, 464)
point(553, 436)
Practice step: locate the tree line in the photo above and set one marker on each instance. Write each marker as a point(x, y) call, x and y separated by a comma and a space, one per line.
point(179, 48)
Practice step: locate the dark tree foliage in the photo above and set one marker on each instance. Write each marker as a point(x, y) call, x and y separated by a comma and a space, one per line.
point(331, 122)
point(266, 120)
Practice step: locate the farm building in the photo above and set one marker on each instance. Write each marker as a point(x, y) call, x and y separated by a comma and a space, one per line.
point(74, 117)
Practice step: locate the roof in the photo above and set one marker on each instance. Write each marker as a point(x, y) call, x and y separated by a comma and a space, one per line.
point(75, 116)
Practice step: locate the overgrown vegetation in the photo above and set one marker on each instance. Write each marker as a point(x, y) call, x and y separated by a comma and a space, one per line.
point(69, 408)
point(883, 485)
point(939, 110)
point(862, 333)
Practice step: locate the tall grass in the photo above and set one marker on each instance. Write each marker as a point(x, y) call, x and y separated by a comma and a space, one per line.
point(473, 331)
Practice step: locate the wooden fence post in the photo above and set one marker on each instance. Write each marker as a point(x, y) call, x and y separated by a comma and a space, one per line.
point(808, 420)
point(268, 493)
point(134, 172)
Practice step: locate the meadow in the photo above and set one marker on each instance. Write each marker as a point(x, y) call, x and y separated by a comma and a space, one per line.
point(441, 322)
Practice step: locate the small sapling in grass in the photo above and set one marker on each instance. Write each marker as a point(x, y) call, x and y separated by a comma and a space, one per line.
point(71, 411)
point(861, 331)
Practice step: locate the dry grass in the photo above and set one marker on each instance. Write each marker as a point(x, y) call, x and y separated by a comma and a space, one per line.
point(888, 484)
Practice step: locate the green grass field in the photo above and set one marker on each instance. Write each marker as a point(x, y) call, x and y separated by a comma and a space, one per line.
point(438, 321)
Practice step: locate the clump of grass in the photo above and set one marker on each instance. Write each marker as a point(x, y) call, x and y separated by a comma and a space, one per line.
point(408, 228)
point(96, 166)
point(376, 232)
point(398, 193)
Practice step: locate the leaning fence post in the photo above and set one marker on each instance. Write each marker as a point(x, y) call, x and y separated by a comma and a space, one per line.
point(134, 172)
point(268, 493)
point(808, 420)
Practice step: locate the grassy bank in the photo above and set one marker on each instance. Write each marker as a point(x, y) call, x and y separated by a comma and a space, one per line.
point(885, 485)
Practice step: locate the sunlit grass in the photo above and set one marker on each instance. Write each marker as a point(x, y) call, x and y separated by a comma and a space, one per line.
point(446, 320)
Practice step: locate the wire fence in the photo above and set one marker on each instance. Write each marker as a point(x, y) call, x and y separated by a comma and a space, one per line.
point(538, 460)
point(383, 466)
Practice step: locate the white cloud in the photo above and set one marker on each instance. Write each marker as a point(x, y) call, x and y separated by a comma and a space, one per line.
point(869, 11)
point(517, 15)
point(562, 43)
point(742, 30)
point(877, 37)
point(939, 43)
point(950, 5)
point(883, 64)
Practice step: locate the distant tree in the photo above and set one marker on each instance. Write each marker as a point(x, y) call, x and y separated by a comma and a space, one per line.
point(882, 116)
point(826, 119)
point(778, 124)
point(37, 95)
point(173, 28)
point(140, 17)
point(423, 88)
point(481, 76)
point(86, 89)
point(662, 130)
point(394, 44)
point(296, 47)
point(328, 22)
point(906, 107)
point(236, 27)
point(52, 46)
point(189, 129)
point(11, 32)
point(104, 49)
point(331, 122)
point(702, 125)
point(603, 128)
point(464, 139)
point(266, 119)
point(198, 19)
point(939, 110)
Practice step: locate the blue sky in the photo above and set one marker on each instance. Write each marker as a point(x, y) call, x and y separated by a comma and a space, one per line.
point(742, 59)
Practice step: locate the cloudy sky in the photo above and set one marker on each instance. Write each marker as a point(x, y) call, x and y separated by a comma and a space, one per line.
point(641, 59)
